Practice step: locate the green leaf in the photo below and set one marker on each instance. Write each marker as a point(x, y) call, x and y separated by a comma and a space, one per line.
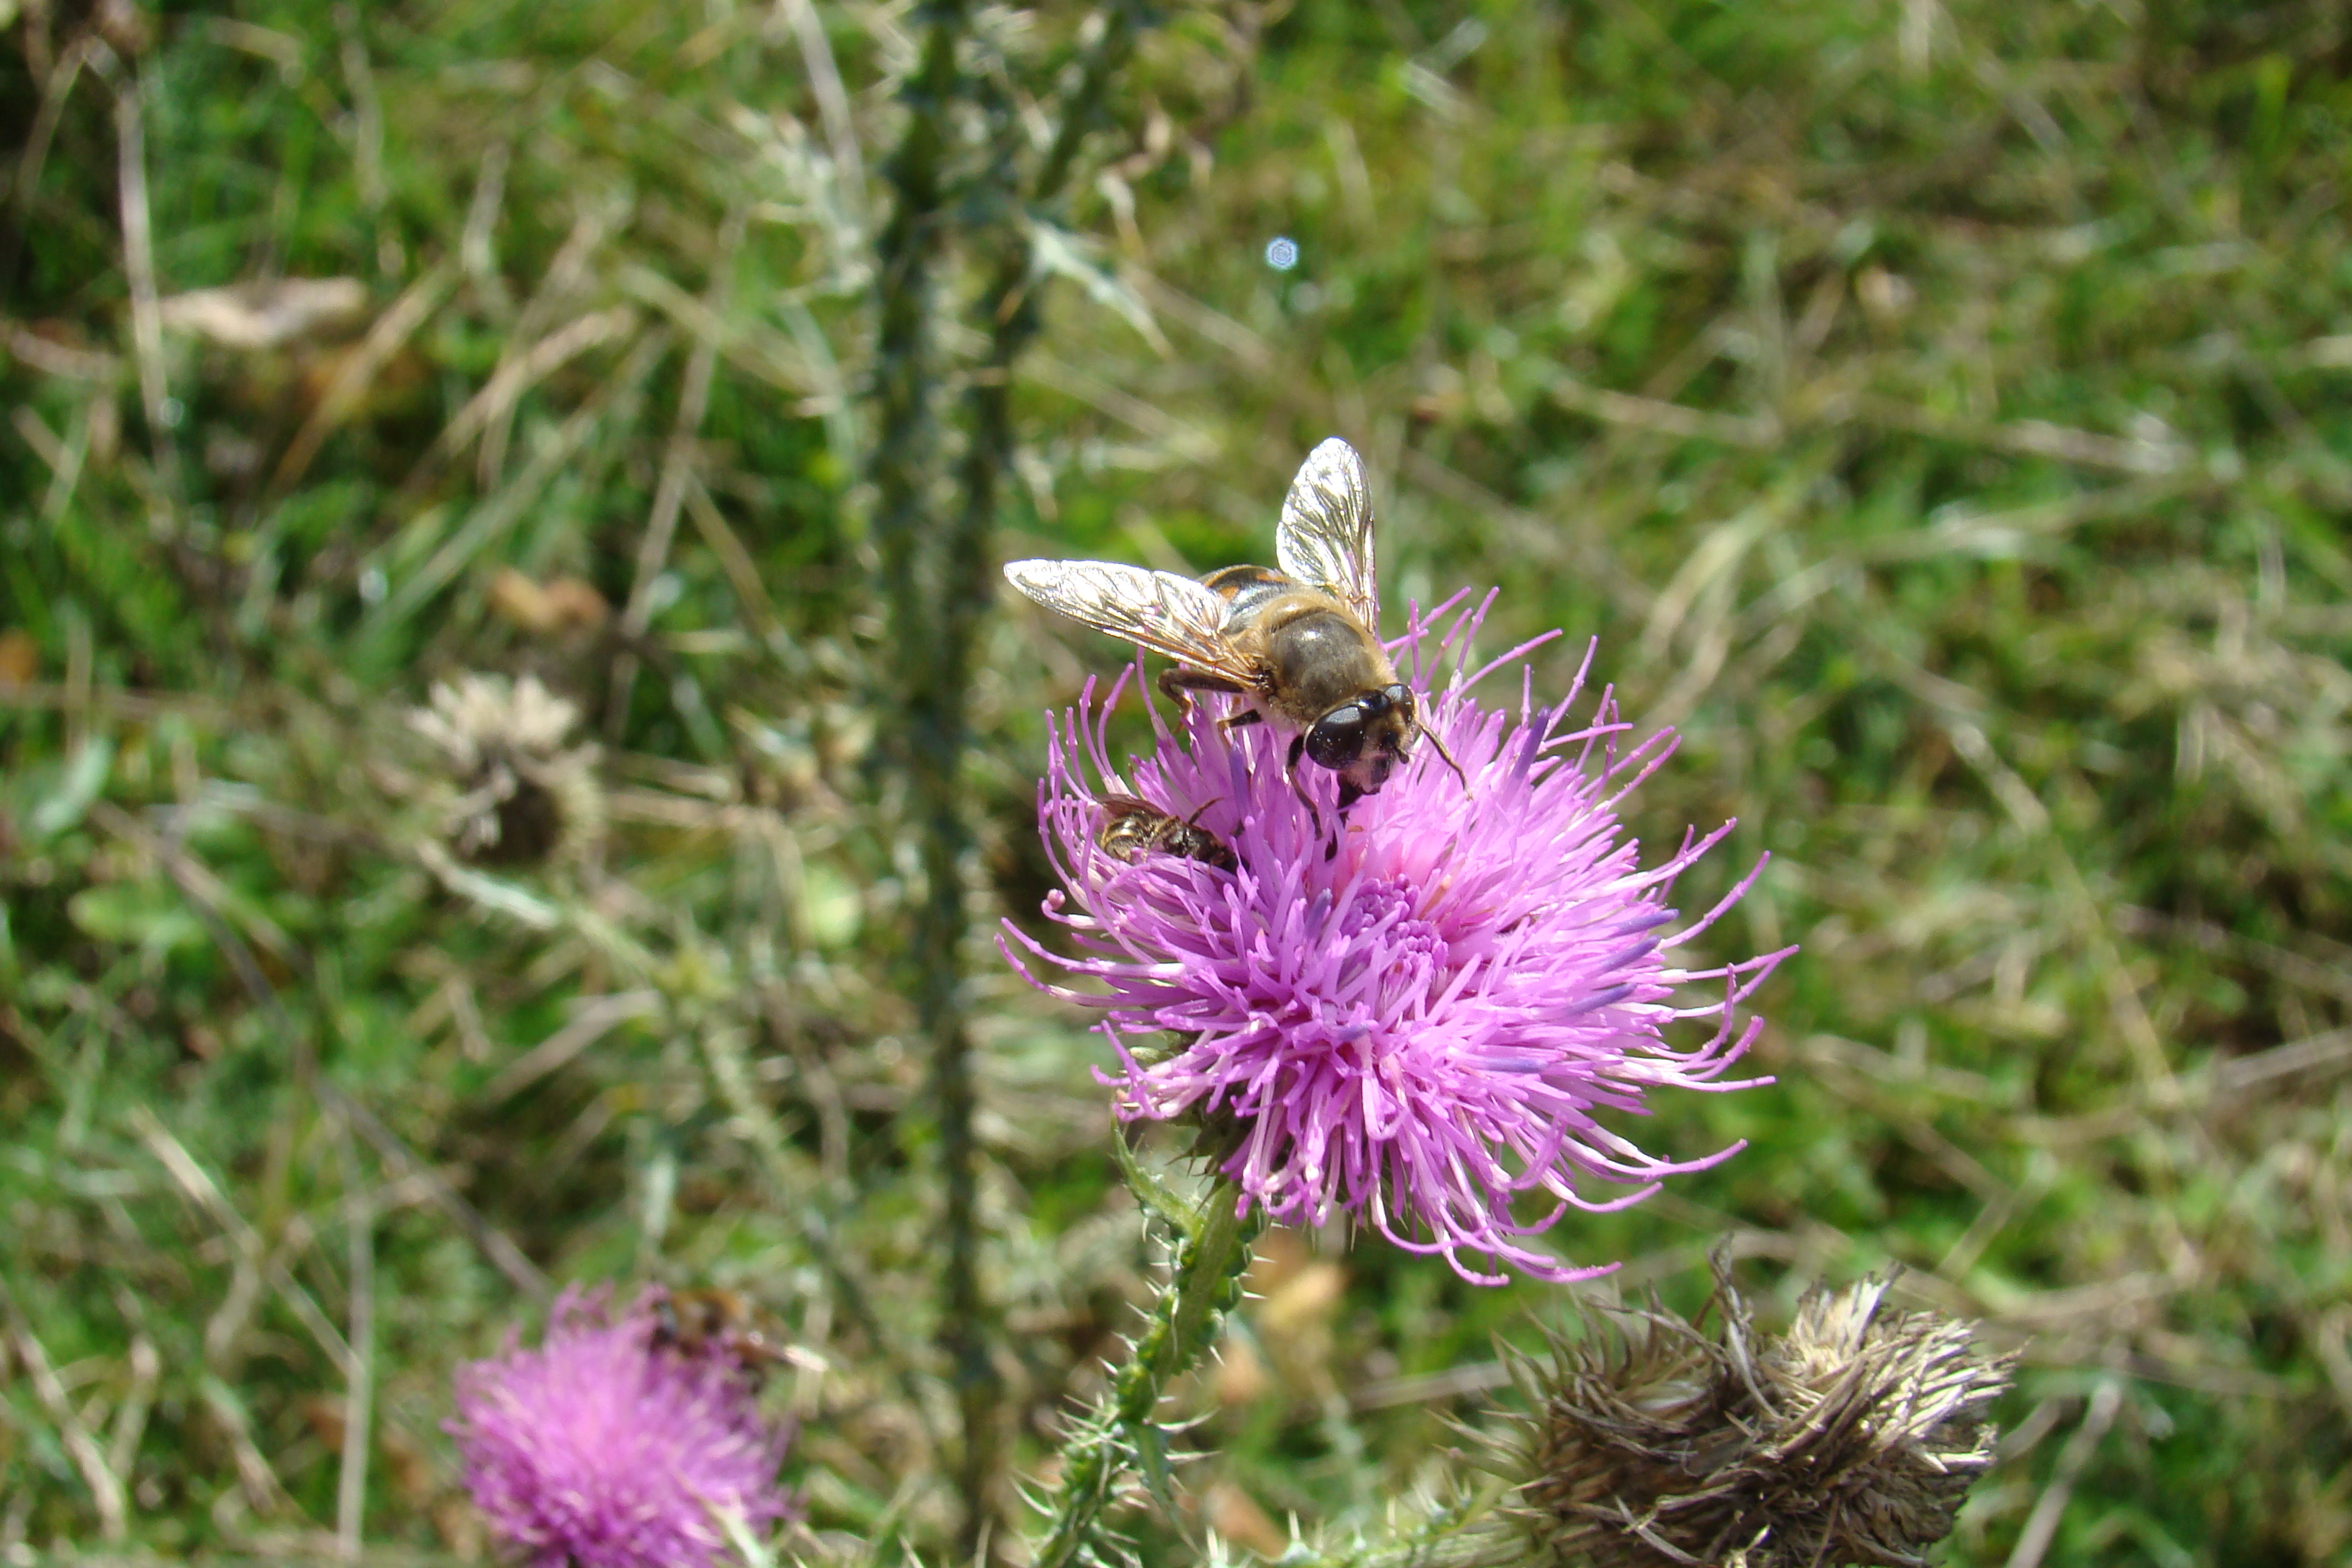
point(139, 914)
point(1054, 251)
point(78, 784)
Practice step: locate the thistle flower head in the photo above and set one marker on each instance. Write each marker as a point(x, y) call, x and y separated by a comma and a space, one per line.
point(522, 794)
point(607, 1448)
point(1415, 1013)
point(1852, 1438)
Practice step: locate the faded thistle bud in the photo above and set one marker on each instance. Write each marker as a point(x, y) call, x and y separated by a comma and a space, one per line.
point(523, 797)
point(1852, 1438)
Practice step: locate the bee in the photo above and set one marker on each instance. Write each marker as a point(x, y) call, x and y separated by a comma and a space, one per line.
point(714, 1321)
point(1133, 828)
point(1300, 646)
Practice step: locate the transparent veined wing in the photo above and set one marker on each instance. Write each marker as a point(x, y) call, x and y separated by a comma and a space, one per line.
point(1326, 536)
point(1172, 614)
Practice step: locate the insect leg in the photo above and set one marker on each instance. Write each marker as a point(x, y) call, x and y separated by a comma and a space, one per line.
point(1349, 795)
point(1446, 756)
point(1290, 771)
point(1177, 684)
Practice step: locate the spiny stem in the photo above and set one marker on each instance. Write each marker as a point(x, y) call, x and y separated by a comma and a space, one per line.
point(1009, 312)
point(932, 701)
point(1205, 1286)
point(1083, 103)
point(938, 575)
point(941, 579)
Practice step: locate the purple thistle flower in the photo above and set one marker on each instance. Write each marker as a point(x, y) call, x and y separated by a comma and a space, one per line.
point(607, 1450)
point(1416, 1018)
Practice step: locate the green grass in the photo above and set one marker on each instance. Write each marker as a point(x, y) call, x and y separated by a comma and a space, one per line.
point(1936, 411)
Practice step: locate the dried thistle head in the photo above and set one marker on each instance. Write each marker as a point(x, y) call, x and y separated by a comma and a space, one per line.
point(1852, 1438)
point(523, 796)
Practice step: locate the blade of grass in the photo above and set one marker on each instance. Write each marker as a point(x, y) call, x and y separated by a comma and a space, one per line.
point(105, 1485)
point(678, 472)
point(489, 522)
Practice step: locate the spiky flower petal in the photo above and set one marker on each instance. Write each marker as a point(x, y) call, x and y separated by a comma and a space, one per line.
point(1416, 1013)
point(606, 1448)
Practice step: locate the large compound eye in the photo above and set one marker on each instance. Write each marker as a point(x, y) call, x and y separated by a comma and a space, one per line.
point(1399, 697)
point(1338, 738)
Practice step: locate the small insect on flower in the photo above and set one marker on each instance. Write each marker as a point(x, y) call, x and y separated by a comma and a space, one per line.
point(1133, 828)
point(1301, 647)
point(609, 1447)
point(1421, 1019)
point(714, 1321)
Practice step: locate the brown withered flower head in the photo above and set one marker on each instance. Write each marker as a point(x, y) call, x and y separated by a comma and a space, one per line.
point(1852, 1438)
point(523, 795)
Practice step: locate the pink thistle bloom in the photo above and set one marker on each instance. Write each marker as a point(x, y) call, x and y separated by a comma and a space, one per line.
point(607, 1450)
point(1415, 1019)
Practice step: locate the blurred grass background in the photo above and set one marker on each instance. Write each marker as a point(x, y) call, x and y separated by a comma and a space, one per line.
point(1936, 407)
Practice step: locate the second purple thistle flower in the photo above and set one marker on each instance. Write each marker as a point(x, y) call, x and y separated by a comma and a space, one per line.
point(1415, 1011)
point(605, 1448)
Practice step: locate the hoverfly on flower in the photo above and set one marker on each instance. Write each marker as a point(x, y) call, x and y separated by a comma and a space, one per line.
point(1301, 647)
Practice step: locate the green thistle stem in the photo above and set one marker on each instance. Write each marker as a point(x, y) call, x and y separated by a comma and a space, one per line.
point(931, 712)
point(1120, 1433)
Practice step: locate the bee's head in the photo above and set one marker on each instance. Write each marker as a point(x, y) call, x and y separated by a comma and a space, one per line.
point(1362, 740)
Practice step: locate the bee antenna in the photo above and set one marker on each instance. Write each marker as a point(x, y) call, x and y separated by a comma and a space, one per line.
point(1199, 810)
point(1431, 736)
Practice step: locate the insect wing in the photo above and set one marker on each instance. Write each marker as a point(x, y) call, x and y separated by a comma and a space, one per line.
point(1326, 536)
point(1175, 616)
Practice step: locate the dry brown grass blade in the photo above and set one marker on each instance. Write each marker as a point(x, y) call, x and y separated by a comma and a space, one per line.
point(201, 1189)
point(742, 572)
point(56, 85)
point(57, 359)
point(367, 133)
point(490, 520)
point(677, 474)
point(1653, 416)
point(2032, 439)
point(139, 268)
point(517, 373)
point(749, 346)
point(360, 1384)
point(833, 108)
point(594, 1020)
point(139, 707)
point(352, 378)
point(65, 457)
point(2042, 1524)
point(105, 1485)
point(138, 1399)
point(557, 292)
